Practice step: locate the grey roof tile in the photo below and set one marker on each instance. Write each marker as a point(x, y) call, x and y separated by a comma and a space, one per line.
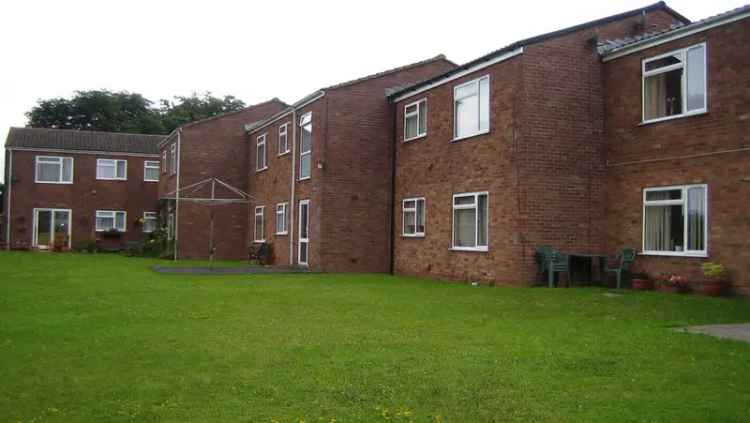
point(70, 139)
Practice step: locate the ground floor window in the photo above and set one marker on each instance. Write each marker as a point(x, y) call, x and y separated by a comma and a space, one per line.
point(414, 214)
point(470, 221)
point(281, 219)
point(675, 220)
point(108, 220)
point(149, 222)
point(259, 232)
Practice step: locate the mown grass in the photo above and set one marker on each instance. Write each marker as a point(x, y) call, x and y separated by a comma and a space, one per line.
point(103, 338)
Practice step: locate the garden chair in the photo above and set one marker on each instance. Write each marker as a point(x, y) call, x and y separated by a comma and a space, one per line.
point(552, 261)
point(625, 258)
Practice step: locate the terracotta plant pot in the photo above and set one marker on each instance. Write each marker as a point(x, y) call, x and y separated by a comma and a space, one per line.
point(713, 287)
point(642, 285)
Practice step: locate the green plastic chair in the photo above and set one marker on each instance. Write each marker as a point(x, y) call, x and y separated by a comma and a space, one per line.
point(552, 261)
point(625, 259)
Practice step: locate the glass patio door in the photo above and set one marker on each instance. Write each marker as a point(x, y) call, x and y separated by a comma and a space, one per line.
point(303, 252)
point(51, 224)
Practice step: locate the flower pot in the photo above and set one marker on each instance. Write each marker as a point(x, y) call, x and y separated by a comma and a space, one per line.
point(642, 285)
point(712, 287)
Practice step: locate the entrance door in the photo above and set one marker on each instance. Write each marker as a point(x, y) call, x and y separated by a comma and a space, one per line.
point(304, 233)
point(51, 224)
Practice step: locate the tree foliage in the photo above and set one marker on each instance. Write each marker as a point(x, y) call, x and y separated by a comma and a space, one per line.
point(122, 111)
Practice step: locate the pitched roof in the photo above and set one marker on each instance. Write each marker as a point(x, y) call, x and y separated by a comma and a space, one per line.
point(71, 139)
point(439, 57)
point(543, 37)
point(609, 47)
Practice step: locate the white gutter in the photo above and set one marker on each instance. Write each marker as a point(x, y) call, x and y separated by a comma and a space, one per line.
point(94, 152)
point(676, 34)
point(480, 66)
point(177, 194)
point(9, 183)
point(291, 187)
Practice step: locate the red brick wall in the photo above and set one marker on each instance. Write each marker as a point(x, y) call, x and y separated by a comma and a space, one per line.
point(215, 148)
point(725, 127)
point(542, 162)
point(83, 197)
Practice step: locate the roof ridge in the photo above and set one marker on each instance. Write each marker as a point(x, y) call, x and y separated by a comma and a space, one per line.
point(88, 131)
point(380, 74)
point(233, 112)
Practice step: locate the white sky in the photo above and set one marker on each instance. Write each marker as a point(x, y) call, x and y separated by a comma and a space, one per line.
point(257, 50)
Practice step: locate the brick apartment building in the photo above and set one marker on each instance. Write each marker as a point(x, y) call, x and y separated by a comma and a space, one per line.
point(78, 186)
point(627, 131)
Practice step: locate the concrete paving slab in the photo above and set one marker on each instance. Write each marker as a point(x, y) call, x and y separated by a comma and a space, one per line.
point(739, 332)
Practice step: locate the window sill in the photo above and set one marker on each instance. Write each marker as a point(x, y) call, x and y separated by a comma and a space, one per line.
point(281, 233)
point(54, 183)
point(111, 179)
point(414, 138)
point(696, 254)
point(150, 180)
point(108, 230)
point(673, 117)
point(261, 170)
point(284, 153)
point(412, 236)
point(304, 179)
point(259, 241)
point(470, 249)
point(465, 137)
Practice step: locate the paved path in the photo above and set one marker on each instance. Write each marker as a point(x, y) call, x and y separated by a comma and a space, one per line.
point(739, 332)
point(227, 270)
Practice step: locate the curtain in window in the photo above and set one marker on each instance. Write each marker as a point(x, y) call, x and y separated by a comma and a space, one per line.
point(655, 91)
point(49, 171)
point(658, 228)
point(482, 221)
point(696, 218)
point(464, 226)
point(67, 170)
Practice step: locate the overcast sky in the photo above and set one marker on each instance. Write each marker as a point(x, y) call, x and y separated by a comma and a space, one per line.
point(257, 50)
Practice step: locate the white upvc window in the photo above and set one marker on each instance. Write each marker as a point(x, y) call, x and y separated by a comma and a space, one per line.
point(283, 139)
point(675, 84)
point(260, 153)
point(470, 221)
point(151, 170)
point(414, 217)
point(149, 222)
point(53, 170)
point(675, 221)
point(471, 108)
point(281, 210)
point(111, 169)
point(305, 146)
point(415, 120)
point(173, 158)
point(164, 161)
point(259, 230)
point(109, 220)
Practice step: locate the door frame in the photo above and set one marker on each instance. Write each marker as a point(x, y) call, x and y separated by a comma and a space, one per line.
point(35, 217)
point(300, 240)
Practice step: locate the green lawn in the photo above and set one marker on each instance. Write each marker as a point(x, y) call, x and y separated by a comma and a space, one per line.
point(102, 338)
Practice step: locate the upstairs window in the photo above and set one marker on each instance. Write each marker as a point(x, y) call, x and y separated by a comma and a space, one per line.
point(54, 170)
point(674, 84)
point(471, 105)
point(110, 169)
point(151, 171)
point(107, 220)
point(305, 146)
point(281, 218)
point(413, 217)
point(173, 159)
point(164, 161)
point(470, 221)
point(283, 139)
point(149, 222)
point(259, 230)
point(675, 220)
point(415, 120)
point(260, 153)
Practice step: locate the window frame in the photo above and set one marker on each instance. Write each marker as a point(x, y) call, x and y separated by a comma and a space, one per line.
point(305, 153)
point(683, 83)
point(173, 159)
point(164, 162)
point(149, 215)
point(415, 209)
point(476, 81)
point(115, 163)
point(60, 161)
point(475, 206)
point(284, 208)
point(262, 215)
point(683, 201)
point(416, 113)
point(114, 218)
point(260, 140)
point(285, 133)
point(149, 164)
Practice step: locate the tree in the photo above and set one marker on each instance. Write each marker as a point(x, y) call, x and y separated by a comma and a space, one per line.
point(195, 107)
point(98, 110)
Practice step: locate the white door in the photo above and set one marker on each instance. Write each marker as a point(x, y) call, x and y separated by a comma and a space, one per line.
point(303, 252)
point(51, 225)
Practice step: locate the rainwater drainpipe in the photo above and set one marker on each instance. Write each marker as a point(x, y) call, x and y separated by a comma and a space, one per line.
point(9, 182)
point(177, 195)
point(291, 188)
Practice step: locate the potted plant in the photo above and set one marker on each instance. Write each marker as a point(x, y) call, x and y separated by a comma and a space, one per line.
point(714, 278)
point(642, 282)
point(673, 283)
